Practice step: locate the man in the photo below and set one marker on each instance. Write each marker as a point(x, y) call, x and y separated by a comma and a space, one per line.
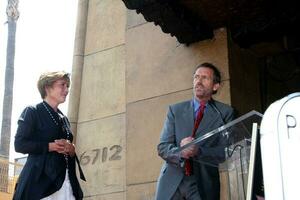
point(200, 182)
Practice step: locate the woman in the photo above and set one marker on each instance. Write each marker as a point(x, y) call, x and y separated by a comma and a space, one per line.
point(43, 133)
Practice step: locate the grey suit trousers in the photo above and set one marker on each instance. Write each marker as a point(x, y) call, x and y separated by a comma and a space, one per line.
point(187, 189)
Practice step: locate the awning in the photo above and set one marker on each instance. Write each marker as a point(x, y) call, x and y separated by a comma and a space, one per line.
point(249, 21)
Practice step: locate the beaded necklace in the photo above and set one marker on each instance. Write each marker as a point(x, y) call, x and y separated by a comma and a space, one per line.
point(52, 117)
point(66, 128)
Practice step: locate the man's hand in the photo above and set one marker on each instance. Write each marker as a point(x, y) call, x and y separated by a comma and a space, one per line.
point(189, 151)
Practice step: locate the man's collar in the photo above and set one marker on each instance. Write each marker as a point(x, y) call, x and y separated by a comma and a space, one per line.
point(196, 103)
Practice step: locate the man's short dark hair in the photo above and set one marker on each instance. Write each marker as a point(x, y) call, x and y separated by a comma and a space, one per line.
point(217, 74)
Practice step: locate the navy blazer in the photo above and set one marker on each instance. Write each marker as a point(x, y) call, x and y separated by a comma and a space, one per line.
point(179, 124)
point(44, 172)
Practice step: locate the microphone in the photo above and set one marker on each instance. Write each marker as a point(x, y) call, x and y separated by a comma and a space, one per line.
point(225, 134)
point(212, 103)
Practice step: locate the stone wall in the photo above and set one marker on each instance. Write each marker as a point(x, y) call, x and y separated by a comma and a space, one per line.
point(99, 118)
point(130, 72)
point(158, 73)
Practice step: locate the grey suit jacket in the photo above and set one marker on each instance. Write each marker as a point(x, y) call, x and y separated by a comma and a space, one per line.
point(179, 124)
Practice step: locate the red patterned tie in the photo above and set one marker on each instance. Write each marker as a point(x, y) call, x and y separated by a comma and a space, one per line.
point(188, 165)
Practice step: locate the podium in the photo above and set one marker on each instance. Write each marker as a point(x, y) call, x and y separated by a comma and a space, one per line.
point(234, 157)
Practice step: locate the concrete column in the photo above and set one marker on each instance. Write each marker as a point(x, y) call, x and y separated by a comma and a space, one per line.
point(78, 61)
point(100, 117)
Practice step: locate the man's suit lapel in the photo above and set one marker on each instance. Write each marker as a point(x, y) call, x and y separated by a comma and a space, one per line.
point(188, 116)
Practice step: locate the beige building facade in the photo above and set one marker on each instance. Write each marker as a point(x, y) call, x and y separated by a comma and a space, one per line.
point(126, 72)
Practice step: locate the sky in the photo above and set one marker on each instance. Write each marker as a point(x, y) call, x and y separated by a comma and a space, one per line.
point(44, 42)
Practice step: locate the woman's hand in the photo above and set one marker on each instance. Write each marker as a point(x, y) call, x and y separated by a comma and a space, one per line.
point(56, 146)
point(69, 147)
point(62, 146)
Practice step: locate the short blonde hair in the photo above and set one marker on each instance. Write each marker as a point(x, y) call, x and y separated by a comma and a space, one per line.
point(48, 78)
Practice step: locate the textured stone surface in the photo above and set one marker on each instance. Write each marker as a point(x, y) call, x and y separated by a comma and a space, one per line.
point(101, 150)
point(144, 191)
point(106, 25)
point(156, 64)
point(74, 98)
point(134, 19)
point(113, 196)
point(103, 85)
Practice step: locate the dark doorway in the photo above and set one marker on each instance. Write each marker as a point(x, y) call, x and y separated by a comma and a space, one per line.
point(280, 76)
point(263, 73)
